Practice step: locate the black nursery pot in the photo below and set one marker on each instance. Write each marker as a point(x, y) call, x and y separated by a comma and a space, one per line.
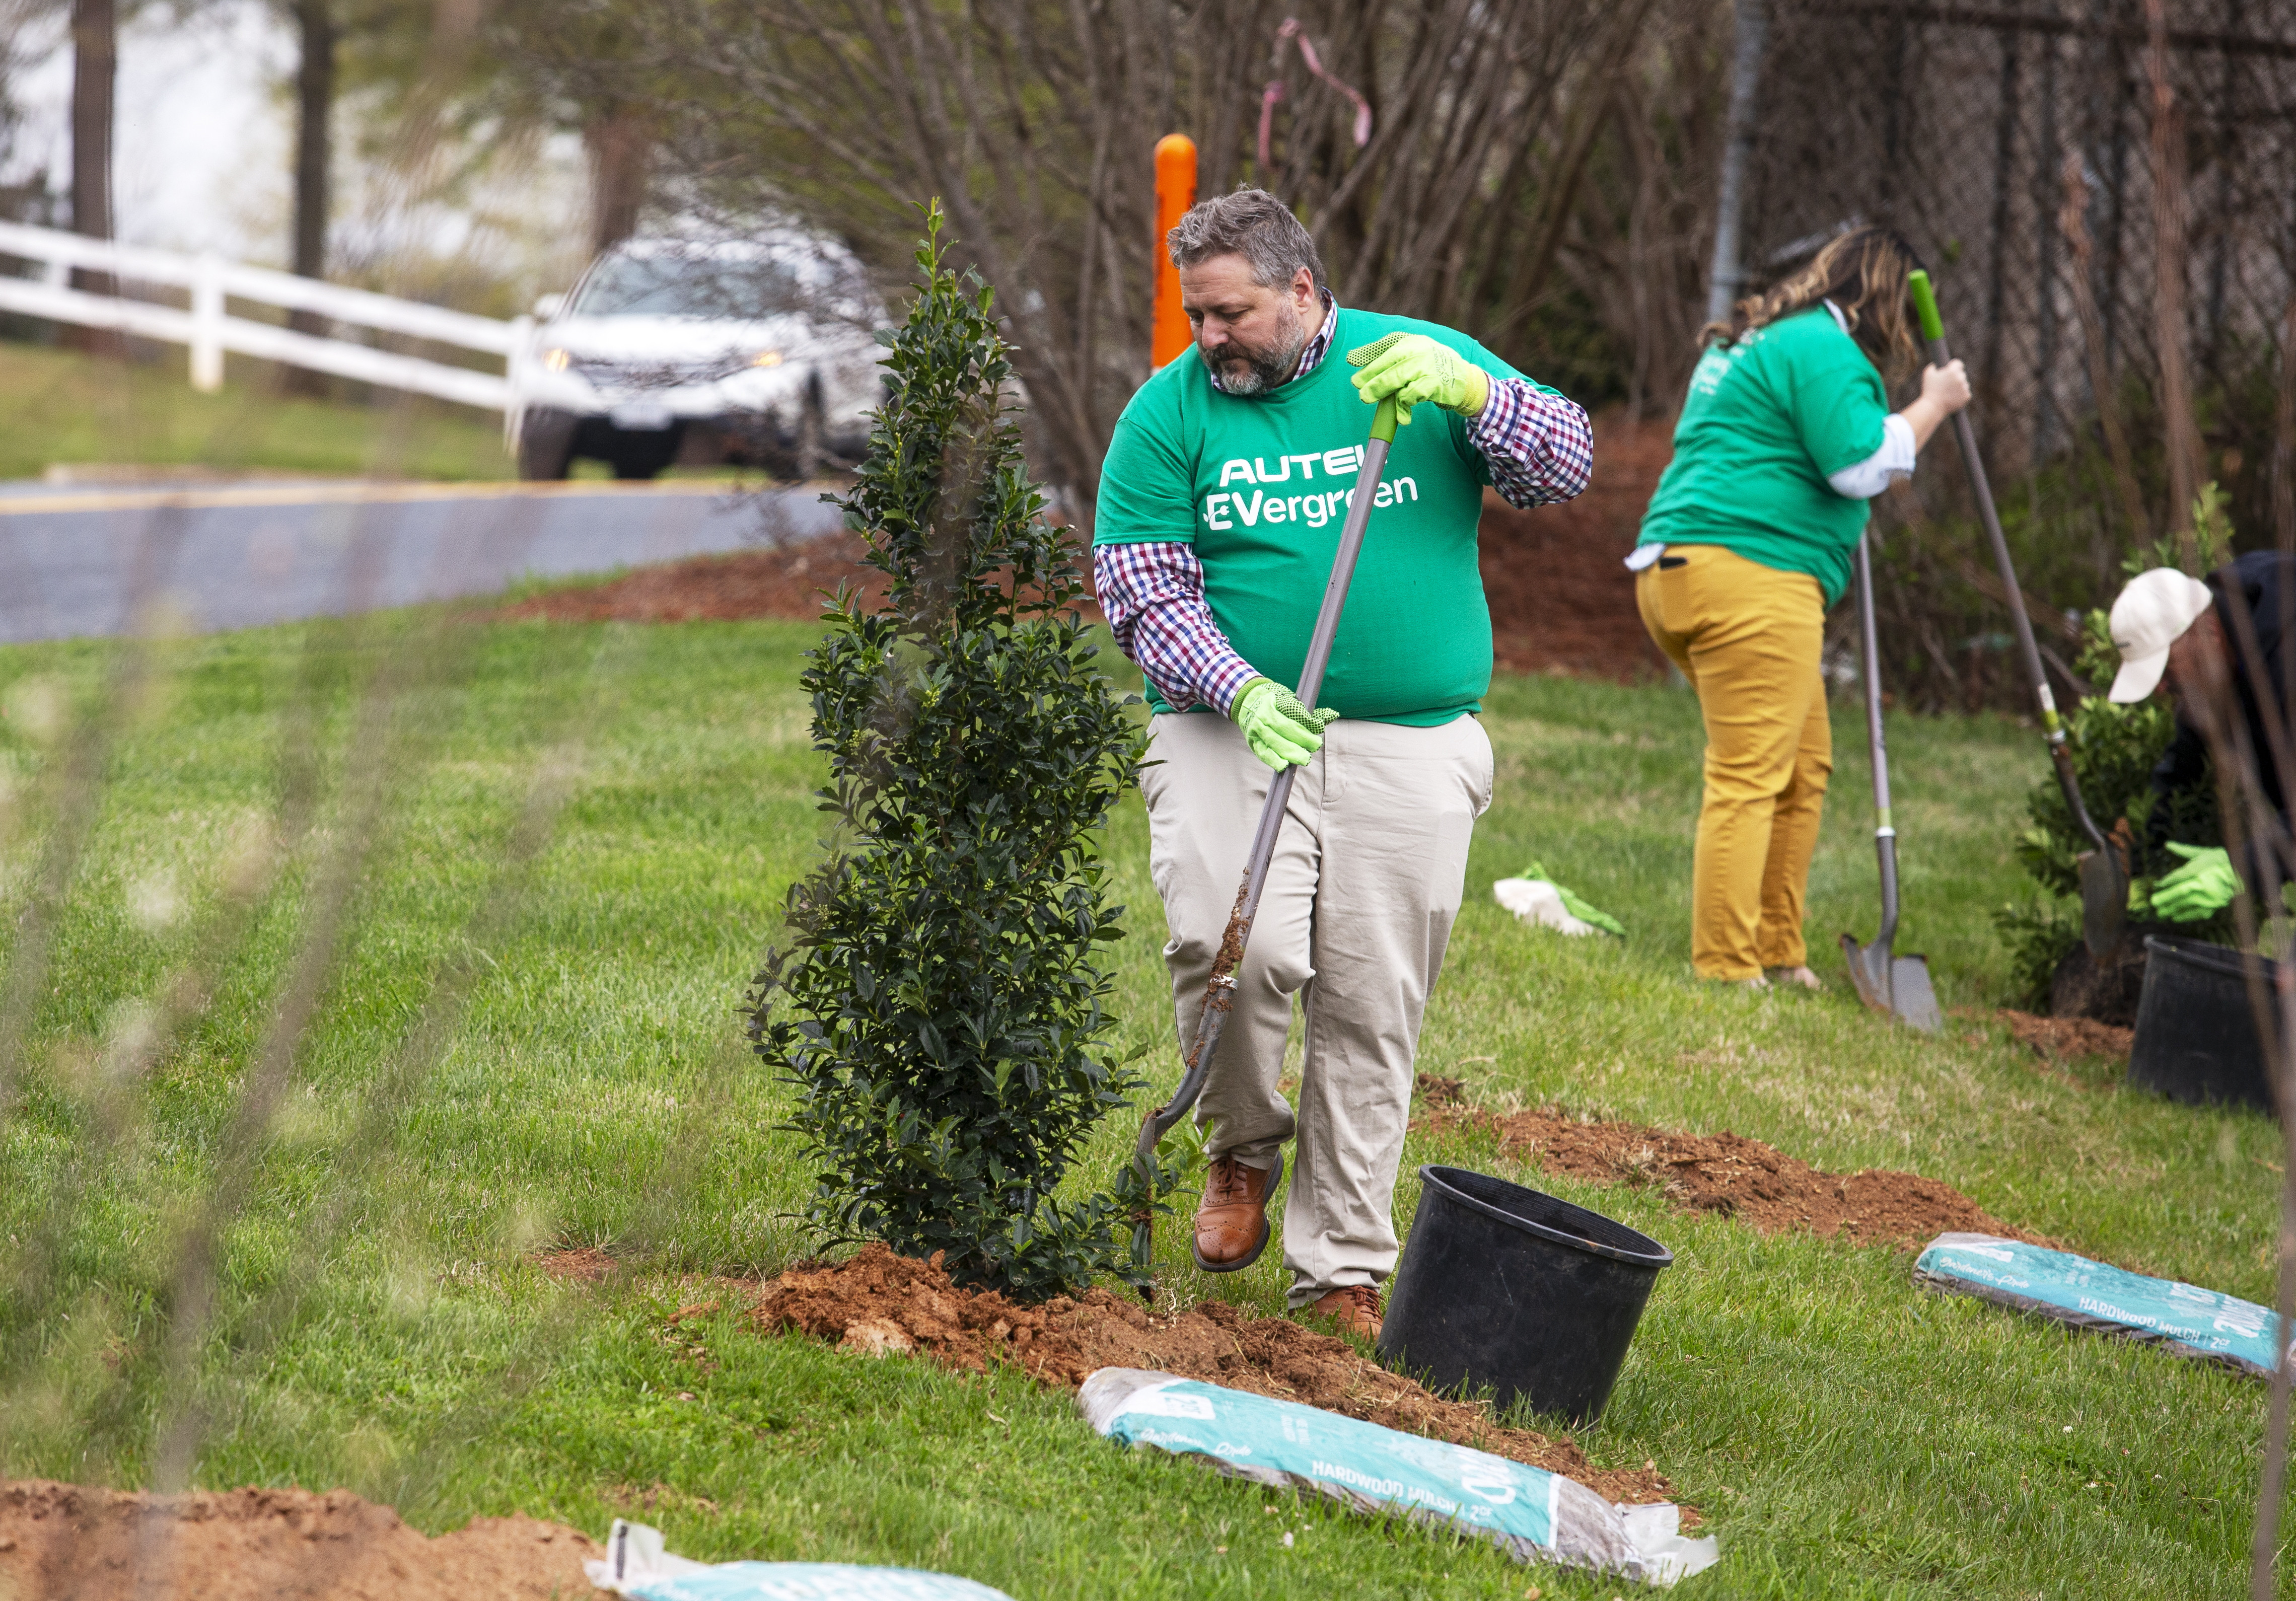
point(1505, 1286)
point(2196, 1038)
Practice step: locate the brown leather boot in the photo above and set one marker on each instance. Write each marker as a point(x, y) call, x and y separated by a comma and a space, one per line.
point(1232, 1215)
point(1355, 1308)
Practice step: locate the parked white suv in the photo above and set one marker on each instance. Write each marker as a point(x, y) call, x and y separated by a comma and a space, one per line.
point(668, 350)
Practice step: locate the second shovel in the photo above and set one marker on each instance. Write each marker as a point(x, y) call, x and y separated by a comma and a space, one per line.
point(1886, 981)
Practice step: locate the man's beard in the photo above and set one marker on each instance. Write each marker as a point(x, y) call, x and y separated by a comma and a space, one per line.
point(1243, 371)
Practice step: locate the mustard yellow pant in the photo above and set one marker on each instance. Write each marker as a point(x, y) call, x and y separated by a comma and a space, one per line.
point(1748, 638)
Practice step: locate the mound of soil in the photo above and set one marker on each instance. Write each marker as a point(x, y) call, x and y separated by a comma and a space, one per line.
point(1743, 1178)
point(880, 1304)
point(66, 1540)
point(2063, 1038)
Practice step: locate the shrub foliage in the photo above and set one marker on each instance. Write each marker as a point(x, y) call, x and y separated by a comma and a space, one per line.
point(939, 1004)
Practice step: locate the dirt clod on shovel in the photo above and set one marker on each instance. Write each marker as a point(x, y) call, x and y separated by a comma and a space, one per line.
point(1743, 1178)
point(260, 1545)
point(880, 1303)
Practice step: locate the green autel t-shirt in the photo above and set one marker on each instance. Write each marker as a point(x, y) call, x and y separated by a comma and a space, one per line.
point(1260, 485)
point(1768, 419)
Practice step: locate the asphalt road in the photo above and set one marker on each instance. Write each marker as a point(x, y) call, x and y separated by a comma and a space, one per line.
point(82, 561)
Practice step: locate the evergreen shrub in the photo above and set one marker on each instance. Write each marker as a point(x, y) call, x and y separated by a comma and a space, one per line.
point(940, 1004)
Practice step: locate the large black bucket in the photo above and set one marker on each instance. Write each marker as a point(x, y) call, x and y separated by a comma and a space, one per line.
point(1504, 1286)
point(2196, 1038)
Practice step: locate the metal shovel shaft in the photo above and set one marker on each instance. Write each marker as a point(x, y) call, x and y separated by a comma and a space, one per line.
point(2103, 875)
point(1898, 985)
point(1219, 991)
point(1885, 832)
point(1964, 436)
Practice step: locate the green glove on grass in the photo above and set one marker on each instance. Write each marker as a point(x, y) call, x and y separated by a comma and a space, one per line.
point(1280, 731)
point(1415, 368)
point(1577, 907)
point(2203, 885)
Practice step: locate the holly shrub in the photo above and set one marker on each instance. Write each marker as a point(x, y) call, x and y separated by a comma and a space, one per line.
point(939, 1003)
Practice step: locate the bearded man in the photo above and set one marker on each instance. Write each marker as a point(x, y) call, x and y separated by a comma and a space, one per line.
point(1219, 513)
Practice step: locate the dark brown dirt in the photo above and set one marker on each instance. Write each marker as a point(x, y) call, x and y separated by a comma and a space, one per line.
point(882, 1304)
point(64, 1542)
point(1560, 601)
point(2065, 1039)
point(1743, 1178)
point(1434, 1091)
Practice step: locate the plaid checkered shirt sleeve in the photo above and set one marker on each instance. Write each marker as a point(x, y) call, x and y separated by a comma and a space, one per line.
point(1153, 594)
point(1538, 446)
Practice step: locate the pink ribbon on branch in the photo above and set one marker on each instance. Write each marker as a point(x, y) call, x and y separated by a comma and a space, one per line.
point(1293, 31)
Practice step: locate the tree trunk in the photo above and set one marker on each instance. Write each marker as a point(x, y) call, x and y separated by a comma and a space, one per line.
point(621, 149)
point(315, 104)
point(1728, 274)
point(95, 64)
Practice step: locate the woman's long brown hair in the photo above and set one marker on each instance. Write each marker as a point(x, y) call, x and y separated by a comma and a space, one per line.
point(1863, 272)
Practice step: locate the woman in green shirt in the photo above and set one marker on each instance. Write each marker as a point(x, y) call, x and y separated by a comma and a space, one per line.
point(1785, 434)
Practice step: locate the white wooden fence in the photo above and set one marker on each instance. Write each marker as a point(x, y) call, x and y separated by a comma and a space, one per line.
point(209, 331)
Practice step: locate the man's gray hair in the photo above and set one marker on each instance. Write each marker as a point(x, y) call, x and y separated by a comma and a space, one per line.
point(1252, 224)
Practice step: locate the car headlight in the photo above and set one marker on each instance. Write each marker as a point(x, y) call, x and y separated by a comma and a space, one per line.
point(557, 359)
point(767, 358)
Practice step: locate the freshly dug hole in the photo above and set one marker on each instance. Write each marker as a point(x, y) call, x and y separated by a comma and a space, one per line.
point(1743, 1178)
point(881, 1303)
point(258, 1545)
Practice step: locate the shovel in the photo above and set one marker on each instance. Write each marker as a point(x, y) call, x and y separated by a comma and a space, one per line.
point(1219, 991)
point(2103, 875)
point(1885, 982)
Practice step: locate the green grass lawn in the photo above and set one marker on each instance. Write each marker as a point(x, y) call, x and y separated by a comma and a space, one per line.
point(58, 404)
point(524, 1035)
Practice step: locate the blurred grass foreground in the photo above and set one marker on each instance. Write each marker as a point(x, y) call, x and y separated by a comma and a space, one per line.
point(352, 967)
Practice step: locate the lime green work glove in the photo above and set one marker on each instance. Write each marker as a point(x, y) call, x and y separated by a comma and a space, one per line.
point(1574, 904)
point(1280, 731)
point(2203, 884)
point(1415, 368)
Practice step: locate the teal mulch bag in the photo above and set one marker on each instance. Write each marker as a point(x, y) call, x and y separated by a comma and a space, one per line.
point(2182, 1318)
point(636, 1565)
point(1532, 1514)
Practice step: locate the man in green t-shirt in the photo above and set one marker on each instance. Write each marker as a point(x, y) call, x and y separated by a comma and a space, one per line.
point(1219, 512)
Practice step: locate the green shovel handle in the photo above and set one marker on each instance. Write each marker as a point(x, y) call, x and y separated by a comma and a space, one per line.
point(1917, 282)
point(1382, 421)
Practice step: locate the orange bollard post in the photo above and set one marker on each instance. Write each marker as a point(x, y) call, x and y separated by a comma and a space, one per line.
point(1169, 334)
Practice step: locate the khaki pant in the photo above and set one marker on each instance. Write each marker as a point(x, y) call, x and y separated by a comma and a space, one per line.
point(1360, 902)
point(1748, 638)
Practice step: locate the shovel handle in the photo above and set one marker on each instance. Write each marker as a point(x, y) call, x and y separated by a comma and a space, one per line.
point(1925, 307)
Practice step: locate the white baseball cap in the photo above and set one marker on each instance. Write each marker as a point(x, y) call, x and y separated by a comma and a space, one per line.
point(2152, 614)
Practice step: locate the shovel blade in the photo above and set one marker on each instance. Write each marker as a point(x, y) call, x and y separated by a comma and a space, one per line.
point(2105, 901)
point(1898, 985)
point(1869, 971)
point(1915, 996)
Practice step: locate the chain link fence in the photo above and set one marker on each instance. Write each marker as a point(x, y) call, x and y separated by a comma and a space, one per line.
point(1970, 128)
